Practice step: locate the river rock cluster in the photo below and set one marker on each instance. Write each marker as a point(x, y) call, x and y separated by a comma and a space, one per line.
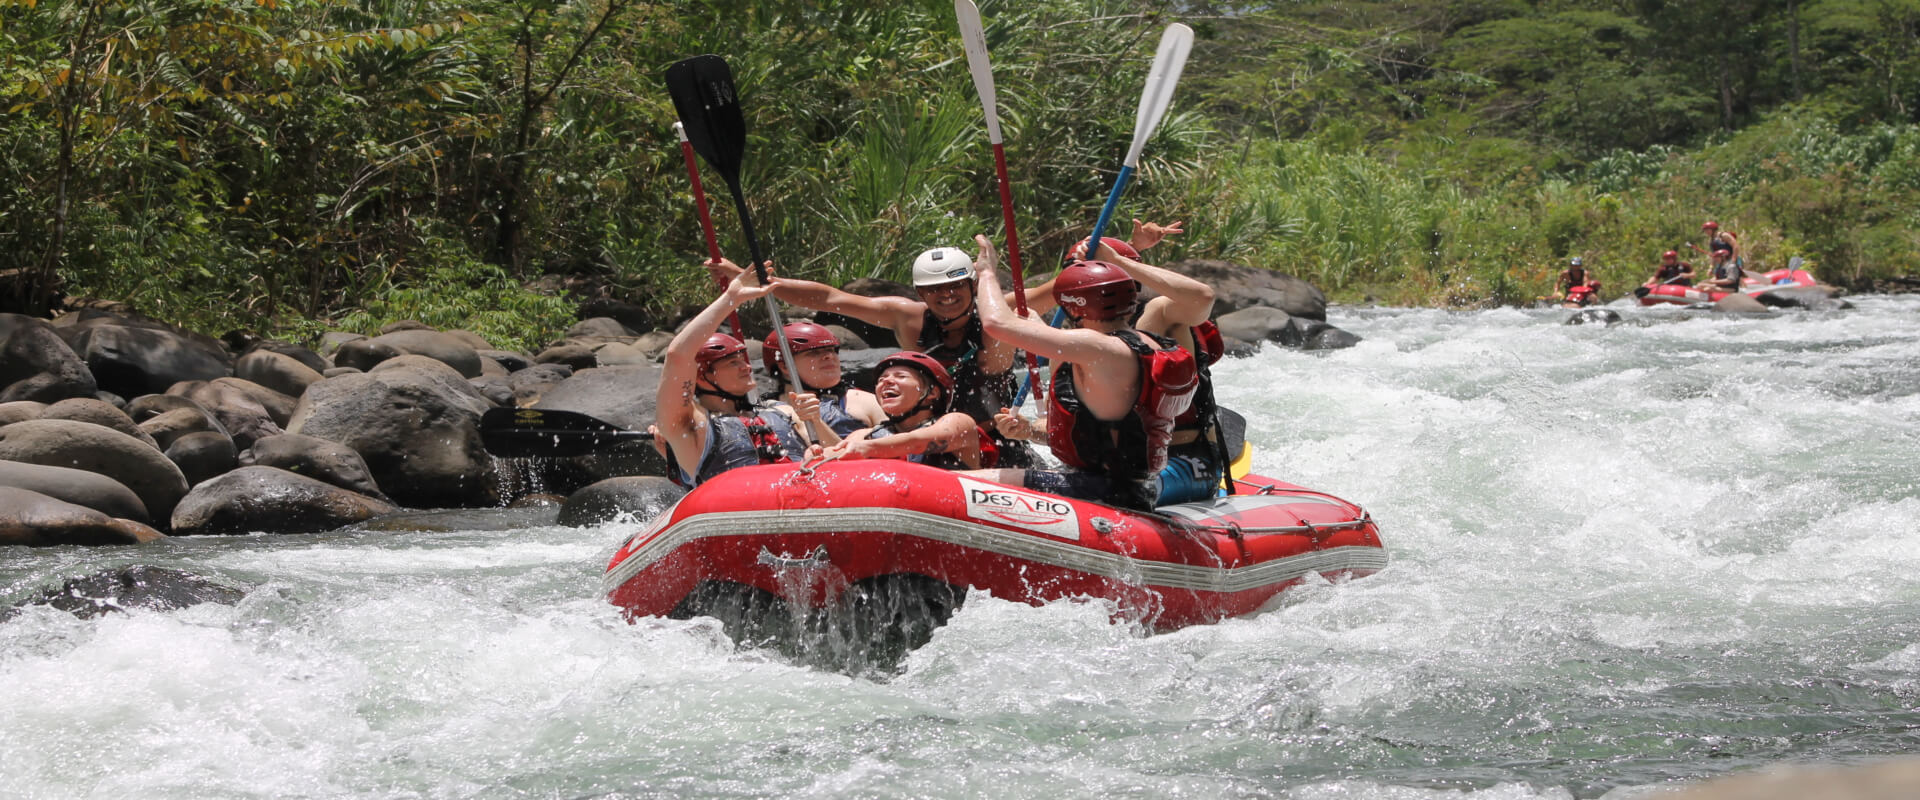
point(120, 429)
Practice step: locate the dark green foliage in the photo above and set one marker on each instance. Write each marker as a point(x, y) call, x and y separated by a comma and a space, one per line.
point(292, 165)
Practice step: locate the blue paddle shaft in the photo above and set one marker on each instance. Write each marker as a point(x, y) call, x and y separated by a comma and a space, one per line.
point(1093, 249)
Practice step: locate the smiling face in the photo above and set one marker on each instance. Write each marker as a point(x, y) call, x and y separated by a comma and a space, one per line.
point(733, 374)
point(900, 389)
point(948, 300)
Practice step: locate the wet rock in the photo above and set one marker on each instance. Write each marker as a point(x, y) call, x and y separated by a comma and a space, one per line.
point(19, 410)
point(331, 341)
point(37, 364)
point(76, 486)
point(32, 519)
point(416, 422)
point(1236, 286)
point(441, 347)
point(575, 355)
point(470, 339)
point(316, 458)
point(617, 353)
point(1254, 324)
point(598, 327)
point(532, 383)
point(242, 407)
point(308, 358)
point(97, 412)
point(202, 455)
point(1739, 304)
point(513, 362)
point(80, 445)
point(137, 586)
point(496, 388)
point(654, 343)
point(1326, 337)
point(167, 428)
point(270, 500)
point(276, 371)
point(1812, 298)
point(1594, 316)
point(634, 497)
point(135, 359)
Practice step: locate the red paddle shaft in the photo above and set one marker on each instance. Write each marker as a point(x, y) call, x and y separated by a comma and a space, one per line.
point(706, 220)
point(1013, 257)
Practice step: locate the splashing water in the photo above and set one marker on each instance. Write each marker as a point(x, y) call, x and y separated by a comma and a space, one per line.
point(1623, 557)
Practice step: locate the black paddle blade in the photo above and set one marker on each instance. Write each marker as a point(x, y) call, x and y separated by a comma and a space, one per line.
point(540, 433)
point(1233, 431)
point(709, 106)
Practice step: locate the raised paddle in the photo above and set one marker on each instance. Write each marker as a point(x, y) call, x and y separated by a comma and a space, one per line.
point(706, 219)
point(1162, 77)
point(975, 39)
point(545, 433)
point(709, 107)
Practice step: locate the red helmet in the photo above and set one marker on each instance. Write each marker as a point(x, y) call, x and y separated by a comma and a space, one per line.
point(1095, 290)
point(801, 336)
point(1670, 254)
point(1710, 225)
point(718, 346)
point(927, 365)
point(1118, 246)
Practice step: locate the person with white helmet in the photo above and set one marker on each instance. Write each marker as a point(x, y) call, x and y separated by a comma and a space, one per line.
point(943, 323)
point(1577, 285)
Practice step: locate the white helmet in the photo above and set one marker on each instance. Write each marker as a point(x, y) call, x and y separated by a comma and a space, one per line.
point(942, 265)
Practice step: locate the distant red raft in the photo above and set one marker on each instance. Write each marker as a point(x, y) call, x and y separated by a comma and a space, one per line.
point(1669, 294)
point(812, 540)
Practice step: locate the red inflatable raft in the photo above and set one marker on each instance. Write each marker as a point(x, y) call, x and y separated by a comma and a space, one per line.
point(817, 539)
point(1669, 294)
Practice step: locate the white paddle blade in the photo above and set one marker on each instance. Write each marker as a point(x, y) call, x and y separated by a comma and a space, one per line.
point(975, 39)
point(1161, 78)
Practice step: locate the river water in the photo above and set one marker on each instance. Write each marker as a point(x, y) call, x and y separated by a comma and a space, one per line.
point(1623, 557)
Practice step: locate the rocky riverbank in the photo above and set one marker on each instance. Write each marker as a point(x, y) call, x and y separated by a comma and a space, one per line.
point(120, 429)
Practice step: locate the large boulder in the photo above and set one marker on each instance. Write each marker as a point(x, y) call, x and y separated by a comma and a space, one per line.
point(1236, 286)
point(632, 496)
point(85, 446)
point(237, 405)
point(170, 426)
point(444, 348)
point(1812, 298)
point(135, 359)
point(416, 422)
point(200, 456)
point(622, 395)
point(76, 486)
point(138, 586)
point(277, 371)
point(532, 383)
point(1739, 304)
point(270, 500)
point(98, 412)
point(36, 364)
point(315, 458)
point(1254, 324)
point(36, 520)
point(20, 410)
point(605, 328)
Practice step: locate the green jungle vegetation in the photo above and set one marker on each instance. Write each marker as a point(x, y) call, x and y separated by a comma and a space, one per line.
point(289, 166)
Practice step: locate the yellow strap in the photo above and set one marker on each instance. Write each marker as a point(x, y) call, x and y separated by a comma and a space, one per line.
point(1243, 463)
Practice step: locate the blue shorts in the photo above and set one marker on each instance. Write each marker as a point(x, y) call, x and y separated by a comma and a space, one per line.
point(1188, 479)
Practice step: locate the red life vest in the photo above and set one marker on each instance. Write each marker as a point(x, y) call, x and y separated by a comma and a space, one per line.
point(1213, 347)
point(1135, 445)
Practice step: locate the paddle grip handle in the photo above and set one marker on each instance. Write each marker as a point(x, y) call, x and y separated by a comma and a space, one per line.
point(1106, 213)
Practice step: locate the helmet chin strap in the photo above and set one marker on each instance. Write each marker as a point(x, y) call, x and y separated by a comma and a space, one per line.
point(740, 402)
point(925, 404)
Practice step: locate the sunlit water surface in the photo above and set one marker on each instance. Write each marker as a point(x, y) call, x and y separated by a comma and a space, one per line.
point(1623, 558)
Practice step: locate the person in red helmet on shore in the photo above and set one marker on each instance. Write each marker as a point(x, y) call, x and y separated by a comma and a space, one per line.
point(1672, 271)
point(821, 396)
point(705, 420)
point(916, 392)
point(1116, 389)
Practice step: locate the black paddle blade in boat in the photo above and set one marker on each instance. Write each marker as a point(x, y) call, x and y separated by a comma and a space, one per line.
point(709, 106)
point(542, 433)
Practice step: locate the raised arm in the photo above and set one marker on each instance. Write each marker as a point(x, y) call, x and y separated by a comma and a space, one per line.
point(1188, 301)
point(675, 404)
point(886, 312)
point(1000, 322)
